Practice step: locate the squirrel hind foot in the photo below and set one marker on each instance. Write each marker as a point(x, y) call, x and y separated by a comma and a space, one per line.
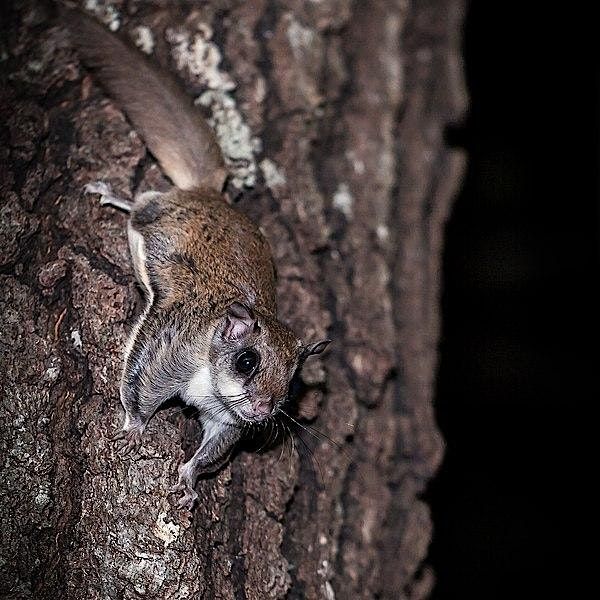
point(127, 442)
point(189, 497)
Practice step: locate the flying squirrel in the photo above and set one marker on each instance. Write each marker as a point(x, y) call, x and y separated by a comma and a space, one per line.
point(209, 332)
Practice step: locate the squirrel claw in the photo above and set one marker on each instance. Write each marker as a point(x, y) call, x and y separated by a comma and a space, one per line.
point(188, 499)
point(189, 494)
point(127, 441)
point(178, 487)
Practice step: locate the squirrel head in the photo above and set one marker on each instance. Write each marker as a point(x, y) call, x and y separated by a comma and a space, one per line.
point(253, 358)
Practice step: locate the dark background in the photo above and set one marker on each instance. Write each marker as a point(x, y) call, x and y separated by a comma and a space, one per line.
point(519, 308)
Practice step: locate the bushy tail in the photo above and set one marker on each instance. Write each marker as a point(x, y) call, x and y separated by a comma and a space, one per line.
point(160, 111)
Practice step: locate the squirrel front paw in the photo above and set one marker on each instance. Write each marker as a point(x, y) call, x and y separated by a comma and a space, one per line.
point(107, 197)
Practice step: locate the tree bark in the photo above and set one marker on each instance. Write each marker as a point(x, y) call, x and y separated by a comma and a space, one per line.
point(332, 115)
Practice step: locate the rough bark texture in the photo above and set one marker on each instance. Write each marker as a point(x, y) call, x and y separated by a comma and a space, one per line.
point(334, 112)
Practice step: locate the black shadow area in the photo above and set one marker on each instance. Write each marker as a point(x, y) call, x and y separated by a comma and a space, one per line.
point(516, 378)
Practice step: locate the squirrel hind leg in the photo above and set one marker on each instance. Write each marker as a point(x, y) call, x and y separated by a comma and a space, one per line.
point(107, 196)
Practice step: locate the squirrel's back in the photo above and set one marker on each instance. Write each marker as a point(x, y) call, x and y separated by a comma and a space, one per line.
point(198, 246)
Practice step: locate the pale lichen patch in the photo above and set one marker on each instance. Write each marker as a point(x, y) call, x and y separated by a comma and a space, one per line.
point(300, 38)
point(51, 374)
point(168, 532)
point(369, 520)
point(201, 58)
point(329, 593)
point(76, 340)
point(343, 200)
point(274, 176)
point(324, 569)
point(234, 137)
point(383, 232)
point(144, 39)
point(358, 165)
point(106, 12)
point(42, 498)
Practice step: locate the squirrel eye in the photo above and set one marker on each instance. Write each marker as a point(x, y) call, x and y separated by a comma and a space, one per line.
point(246, 362)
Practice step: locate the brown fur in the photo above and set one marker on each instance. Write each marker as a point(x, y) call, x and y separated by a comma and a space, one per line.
point(203, 252)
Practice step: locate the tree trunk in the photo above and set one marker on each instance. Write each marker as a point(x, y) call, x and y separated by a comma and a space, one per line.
point(332, 115)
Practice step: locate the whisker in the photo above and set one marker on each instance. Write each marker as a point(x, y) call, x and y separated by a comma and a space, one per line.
point(316, 433)
point(313, 431)
point(282, 443)
point(209, 411)
point(313, 458)
point(273, 435)
point(292, 447)
point(266, 443)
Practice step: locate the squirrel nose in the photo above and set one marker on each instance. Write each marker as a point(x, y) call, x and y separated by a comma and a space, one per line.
point(262, 406)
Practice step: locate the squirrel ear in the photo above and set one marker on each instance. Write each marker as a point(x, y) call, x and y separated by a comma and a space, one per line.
point(315, 348)
point(239, 321)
